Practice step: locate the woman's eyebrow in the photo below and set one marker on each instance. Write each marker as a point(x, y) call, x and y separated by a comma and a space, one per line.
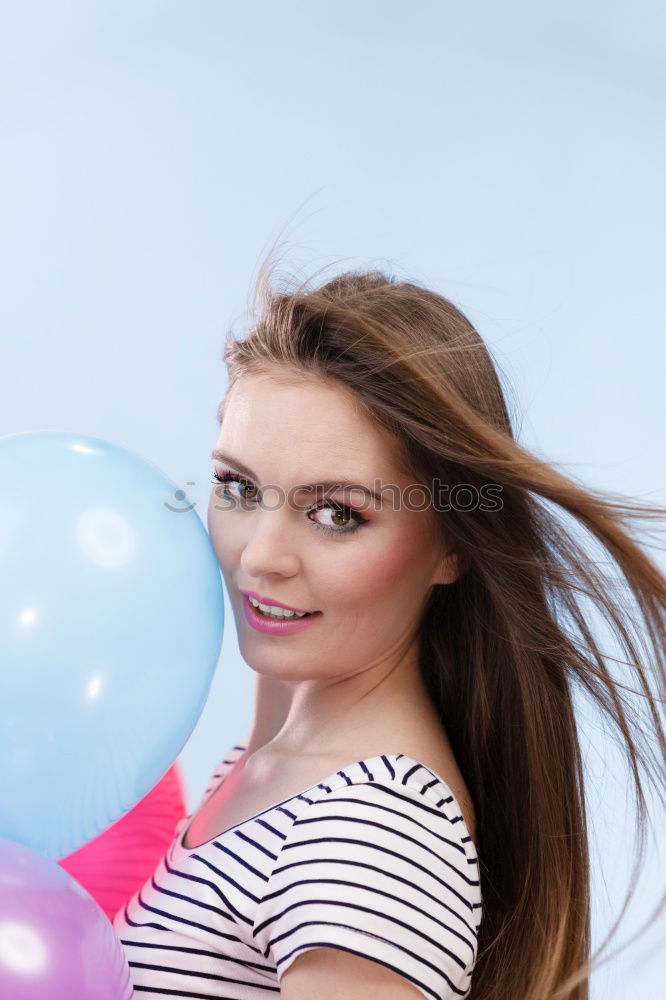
point(330, 484)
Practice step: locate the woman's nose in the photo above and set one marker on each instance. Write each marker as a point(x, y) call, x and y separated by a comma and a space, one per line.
point(270, 544)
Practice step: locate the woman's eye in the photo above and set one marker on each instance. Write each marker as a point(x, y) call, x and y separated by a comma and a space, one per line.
point(230, 477)
point(342, 520)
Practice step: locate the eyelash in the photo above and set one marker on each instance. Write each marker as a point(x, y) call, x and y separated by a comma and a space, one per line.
point(229, 477)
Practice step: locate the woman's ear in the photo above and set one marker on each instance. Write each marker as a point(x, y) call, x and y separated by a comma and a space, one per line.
point(451, 566)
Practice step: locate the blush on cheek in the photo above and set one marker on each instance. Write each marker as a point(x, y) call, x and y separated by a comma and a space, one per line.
point(392, 571)
point(373, 582)
point(403, 552)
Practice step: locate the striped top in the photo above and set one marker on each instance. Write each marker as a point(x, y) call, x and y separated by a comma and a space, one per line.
point(375, 859)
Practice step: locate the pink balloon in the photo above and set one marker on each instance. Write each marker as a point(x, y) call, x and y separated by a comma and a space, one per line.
point(118, 861)
point(55, 941)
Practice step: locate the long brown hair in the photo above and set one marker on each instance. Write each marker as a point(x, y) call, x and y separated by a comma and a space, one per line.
point(503, 648)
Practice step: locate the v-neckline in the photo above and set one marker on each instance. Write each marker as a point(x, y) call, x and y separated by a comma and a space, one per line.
point(367, 762)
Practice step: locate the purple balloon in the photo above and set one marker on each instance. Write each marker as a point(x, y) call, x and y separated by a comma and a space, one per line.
point(56, 942)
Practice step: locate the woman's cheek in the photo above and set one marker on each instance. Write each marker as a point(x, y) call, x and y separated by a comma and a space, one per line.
point(389, 563)
point(223, 545)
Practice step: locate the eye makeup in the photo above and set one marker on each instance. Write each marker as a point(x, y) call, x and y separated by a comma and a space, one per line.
point(338, 509)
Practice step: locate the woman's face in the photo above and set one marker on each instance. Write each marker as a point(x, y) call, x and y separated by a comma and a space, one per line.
point(368, 575)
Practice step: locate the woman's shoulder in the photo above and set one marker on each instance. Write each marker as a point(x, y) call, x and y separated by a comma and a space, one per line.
point(377, 859)
point(398, 783)
point(425, 763)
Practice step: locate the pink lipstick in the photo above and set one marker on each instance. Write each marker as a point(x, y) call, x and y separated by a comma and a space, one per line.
point(271, 601)
point(271, 626)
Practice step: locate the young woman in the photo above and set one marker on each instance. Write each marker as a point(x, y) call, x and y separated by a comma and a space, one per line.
point(407, 814)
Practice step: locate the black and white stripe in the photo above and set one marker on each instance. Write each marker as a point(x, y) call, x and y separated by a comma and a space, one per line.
point(375, 859)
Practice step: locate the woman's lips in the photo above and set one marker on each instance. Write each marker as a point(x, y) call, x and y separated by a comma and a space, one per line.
point(272, 602)
point(272, 626)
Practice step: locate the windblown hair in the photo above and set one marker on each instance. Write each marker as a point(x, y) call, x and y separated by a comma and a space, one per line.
point(504, 647)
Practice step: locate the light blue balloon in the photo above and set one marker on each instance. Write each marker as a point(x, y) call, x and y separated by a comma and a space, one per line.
point(111, 624)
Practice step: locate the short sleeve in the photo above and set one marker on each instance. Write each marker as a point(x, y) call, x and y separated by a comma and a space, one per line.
point(378, 870)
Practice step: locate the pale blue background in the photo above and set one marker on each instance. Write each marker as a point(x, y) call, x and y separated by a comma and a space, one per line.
point(510, 155)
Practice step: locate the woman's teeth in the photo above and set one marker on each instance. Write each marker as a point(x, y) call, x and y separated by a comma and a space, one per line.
point(270, 611)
